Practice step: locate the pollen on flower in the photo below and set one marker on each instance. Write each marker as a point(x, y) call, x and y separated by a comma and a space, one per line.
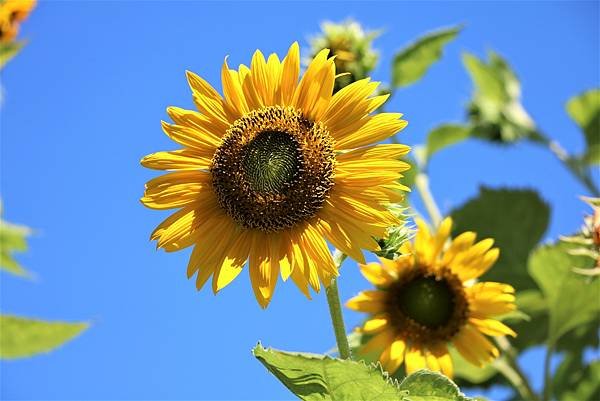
point(273, 169)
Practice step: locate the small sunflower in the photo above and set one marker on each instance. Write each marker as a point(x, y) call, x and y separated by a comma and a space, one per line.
point(12, 13)
point(426, 300)
point(272, 170)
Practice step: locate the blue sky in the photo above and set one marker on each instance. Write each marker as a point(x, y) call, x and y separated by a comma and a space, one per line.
point(83, 103)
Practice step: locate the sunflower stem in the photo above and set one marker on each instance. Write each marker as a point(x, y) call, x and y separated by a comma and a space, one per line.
point(573, 164)
point(507, 365)
point(547, 379)
point(422, 184)
point(335, 310)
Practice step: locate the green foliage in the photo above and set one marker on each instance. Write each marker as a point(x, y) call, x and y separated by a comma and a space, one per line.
point(584, 109)
point(411, 63)
point(496, 112)
point(425, 385)
point(515, 219)
point(444, 136)
point(22, 337)
point(572, 299)
point(8, 51)
point(583, 384)
point(12, 239)
point(315, 377)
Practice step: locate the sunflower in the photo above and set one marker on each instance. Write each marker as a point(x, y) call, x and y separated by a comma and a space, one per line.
point(273, 170)
point(12, 12)
point(426, 300)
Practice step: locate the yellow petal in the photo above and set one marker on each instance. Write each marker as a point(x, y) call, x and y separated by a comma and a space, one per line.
point(368, 301)
point(375, 324)
point(415, 360)
point(492, 327)
point(185, 159)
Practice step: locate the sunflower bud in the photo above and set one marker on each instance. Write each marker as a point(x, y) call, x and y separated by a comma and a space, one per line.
point(588, 238)
point(352, 48)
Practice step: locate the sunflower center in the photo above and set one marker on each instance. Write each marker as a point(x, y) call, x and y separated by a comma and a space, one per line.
point(271, 161)
point(274, 169)
point(428, 301)
point(427, 306)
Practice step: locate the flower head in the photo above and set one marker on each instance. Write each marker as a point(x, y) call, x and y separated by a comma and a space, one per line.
point(272, 170)
point(12, 13)
point(352, 47)
point(425, 300)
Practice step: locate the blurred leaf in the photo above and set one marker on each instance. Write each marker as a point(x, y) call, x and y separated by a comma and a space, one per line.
point(425, 385)
point(572, 299)
point(8, 51)
point(317, 377)
point(489, 85)
point(23, 337)
point(515, 219)
point(12, 239)
point(411, 63)
point(495, 111)
point(584, 109)
point(584, 385)
point(446, 135)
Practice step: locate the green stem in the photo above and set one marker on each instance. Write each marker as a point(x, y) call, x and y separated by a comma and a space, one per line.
point(422, 185)
point(507, 366)
point(547, 379)
point(571, 163)
point(335, 310)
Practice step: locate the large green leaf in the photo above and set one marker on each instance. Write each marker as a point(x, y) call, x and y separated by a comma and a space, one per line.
point(12, 239)
point(316, 377)
point(425, 385)
point(22, 337)
point(584, 109)
point(571, 298)
point(411, 63)
point(515, 219)
point(446, 135)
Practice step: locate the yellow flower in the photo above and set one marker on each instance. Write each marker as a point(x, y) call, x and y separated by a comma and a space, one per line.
point(426, 300)
point(12, 12)
point(272, 170)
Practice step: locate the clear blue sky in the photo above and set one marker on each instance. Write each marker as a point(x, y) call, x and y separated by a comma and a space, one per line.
point(83, 103)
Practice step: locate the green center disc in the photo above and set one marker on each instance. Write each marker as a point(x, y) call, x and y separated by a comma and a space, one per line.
point(427, 301)
point(271, 160)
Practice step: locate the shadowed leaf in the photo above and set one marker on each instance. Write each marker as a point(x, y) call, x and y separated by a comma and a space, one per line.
point(515, 219)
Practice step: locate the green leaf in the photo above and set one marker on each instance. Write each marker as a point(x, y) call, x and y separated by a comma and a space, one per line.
point(425, 385)
point(572, 299)
point(446, 135)
point(12, 239)
point(22, 337)
point(8, 51)
point(411, 63)
point(585, 384)
point(489, 85)
point(495, 111)
point(515, 219)
point(584, 109)
point(317, 377)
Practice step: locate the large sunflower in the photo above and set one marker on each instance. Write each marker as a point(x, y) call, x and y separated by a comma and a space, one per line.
point(426, 300)
point(272, 170)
